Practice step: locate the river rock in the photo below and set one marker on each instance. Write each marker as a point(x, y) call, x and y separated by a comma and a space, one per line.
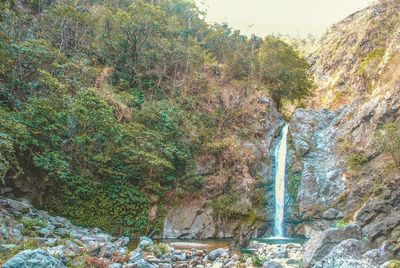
point(272, 264)
point(33, 258)
point(213, 255)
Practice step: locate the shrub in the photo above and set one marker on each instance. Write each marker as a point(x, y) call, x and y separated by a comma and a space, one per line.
point(227, 206)
point(31, 226)
point(341, 224)
point(258, 261)
point(356, 160)
point(160, 249)
point(388, 140)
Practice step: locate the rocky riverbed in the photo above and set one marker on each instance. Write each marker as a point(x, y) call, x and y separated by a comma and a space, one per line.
point(31, 238)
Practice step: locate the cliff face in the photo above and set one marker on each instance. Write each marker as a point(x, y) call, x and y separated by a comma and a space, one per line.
point(216, 213)
point(343, 173)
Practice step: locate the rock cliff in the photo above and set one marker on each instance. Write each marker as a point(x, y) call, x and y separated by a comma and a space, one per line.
point(343, 174)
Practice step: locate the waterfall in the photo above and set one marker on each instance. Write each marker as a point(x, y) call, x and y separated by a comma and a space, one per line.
point(280, 176)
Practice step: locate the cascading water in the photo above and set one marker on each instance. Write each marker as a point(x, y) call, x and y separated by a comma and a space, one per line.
point(280, 176)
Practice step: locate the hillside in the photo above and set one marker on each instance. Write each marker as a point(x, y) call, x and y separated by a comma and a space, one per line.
point(136, 107)
point(358, 56)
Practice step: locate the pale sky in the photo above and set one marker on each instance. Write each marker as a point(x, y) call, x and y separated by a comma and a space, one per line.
point(292, 17)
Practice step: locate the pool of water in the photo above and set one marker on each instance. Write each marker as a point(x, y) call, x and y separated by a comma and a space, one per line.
point(209, 244)
point(279, 241)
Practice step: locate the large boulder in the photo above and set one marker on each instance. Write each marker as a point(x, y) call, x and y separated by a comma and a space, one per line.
point(345, 255)
point(322, 243)
point(33, 258)
point(190, 221)
point(16, 206)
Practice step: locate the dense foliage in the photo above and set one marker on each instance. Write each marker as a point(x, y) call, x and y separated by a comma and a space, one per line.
point(102, 102)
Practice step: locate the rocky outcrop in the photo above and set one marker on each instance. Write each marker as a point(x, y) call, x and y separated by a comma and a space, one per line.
point(343, 175)
point(313, 144)
point(344, 248)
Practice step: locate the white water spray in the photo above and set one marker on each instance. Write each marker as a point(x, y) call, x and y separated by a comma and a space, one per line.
point(280, 176)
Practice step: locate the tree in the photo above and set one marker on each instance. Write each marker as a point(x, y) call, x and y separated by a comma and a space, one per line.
point(284, 71)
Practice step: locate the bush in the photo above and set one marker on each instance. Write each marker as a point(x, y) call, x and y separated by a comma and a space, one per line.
point(341, 224)
point(258, 261)
point(227, 206)
point(31, 226)
point(356, 160)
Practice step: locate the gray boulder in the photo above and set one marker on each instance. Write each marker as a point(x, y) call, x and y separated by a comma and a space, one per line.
point(57, 252)
point(347, 254)
point(178, 256)
point(377, 256)
point(22, 206)
point(145, 242)
point(216, 253)
point(33, 258)
point(63, 232)
point(321, 243)
point(271, 264)
point(144, 264)
point(115, 265)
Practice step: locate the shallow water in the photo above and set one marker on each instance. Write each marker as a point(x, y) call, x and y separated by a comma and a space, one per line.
point(209, 244)
point(280, 241)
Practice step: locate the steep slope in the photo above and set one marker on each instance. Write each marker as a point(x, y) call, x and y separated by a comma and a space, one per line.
point(344, 174)
point(358, 55)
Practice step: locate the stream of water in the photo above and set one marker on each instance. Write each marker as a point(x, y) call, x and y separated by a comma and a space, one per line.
point(280, 176)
